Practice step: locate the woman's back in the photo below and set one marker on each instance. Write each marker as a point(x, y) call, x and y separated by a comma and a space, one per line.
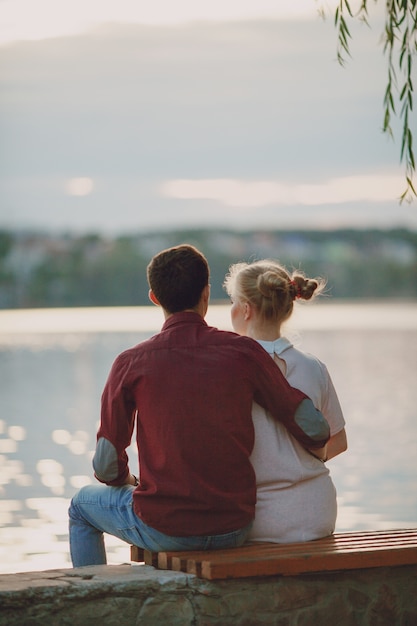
point(296, 499)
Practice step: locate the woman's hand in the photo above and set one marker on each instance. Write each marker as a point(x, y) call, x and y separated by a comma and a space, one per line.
point(337, 444)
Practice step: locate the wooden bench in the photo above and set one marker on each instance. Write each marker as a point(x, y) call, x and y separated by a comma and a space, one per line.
point(341, 551)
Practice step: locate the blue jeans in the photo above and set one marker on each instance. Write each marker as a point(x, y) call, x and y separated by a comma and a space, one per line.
point(99, 509)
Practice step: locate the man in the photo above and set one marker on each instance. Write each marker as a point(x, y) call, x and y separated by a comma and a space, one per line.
point(189, 391)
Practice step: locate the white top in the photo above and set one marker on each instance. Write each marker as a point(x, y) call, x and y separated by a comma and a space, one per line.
point(296, 499)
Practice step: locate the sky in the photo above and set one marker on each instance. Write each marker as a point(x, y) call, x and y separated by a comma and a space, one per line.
point(123, 116)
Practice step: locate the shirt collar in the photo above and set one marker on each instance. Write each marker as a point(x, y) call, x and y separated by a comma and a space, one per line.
point(275, 347)
point(183, 317)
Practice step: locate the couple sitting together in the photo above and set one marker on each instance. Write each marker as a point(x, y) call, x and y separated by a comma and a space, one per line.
point(232, 428)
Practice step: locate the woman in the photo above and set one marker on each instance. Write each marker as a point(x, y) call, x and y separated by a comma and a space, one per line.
point(296, 498)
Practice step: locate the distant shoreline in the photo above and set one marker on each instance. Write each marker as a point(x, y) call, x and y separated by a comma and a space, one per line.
point(375, 314)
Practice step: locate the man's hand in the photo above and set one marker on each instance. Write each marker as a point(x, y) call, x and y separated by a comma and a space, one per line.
point(132, 480)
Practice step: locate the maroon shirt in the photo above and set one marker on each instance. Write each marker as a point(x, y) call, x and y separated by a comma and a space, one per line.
point(191, 387)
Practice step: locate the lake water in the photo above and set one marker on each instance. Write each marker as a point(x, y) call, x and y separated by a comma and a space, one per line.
point(53, 366)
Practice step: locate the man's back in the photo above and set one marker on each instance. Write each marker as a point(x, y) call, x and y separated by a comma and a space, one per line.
point(192, 386)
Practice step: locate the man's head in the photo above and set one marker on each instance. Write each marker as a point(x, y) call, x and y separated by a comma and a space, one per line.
point(177, 277)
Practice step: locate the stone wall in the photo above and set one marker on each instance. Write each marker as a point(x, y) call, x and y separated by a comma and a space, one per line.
point(136, 595)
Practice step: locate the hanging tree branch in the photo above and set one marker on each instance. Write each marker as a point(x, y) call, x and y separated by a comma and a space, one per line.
point(400, 46)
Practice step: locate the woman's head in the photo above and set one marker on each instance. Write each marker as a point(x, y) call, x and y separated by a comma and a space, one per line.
point(269, 288)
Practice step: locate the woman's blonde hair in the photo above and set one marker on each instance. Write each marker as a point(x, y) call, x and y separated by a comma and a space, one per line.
point(270, 288)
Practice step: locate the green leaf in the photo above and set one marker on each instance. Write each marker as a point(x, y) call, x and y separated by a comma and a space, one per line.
point(348, 8)
point(410, 184)
point(345, 28)
point(400, 47)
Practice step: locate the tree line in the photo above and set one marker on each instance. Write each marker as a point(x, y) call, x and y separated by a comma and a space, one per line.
point(68, 270)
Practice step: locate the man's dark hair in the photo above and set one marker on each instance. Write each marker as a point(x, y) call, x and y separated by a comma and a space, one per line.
point(177, 277)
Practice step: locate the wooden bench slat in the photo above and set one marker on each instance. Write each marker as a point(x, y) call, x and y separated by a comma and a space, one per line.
point(261, 550)
point(341, 551)
point(214, 569)
point(306, 554)
point(354, 537)
point(350, 540)
point(286, 563)
point(137, 554)
point(275, 551)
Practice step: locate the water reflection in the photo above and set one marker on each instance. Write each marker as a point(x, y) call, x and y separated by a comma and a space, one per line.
point(50, 388)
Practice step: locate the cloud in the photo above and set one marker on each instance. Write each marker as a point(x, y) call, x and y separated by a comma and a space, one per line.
point(260, 106)
point(81, 186)
point(252, 194)
point(227, 100)
point(29, 20)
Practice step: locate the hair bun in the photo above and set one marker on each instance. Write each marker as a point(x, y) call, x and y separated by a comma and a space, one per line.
point(270, 283)
point(302, 287)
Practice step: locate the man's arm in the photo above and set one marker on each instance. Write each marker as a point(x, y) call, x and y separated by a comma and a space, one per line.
point(110, 460)
point(110, 467)
point(311, 422)
point(106, 465)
